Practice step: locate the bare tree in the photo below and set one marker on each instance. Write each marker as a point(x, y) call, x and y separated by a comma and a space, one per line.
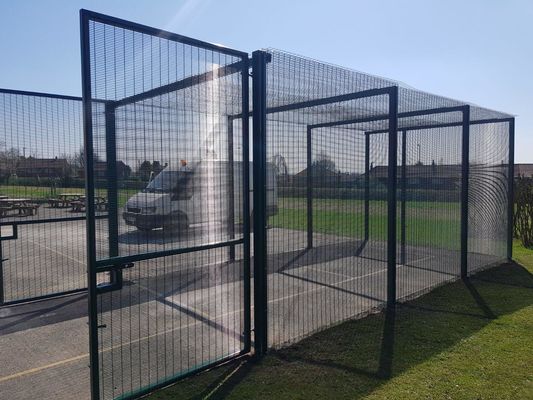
point(9, 159)
point(323, 163)
point(77, 160)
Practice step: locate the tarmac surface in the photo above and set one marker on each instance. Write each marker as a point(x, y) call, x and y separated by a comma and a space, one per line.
point(178, 313)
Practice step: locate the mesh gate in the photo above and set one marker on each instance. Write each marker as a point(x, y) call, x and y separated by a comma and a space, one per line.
point(170, 266)
point(42, 247)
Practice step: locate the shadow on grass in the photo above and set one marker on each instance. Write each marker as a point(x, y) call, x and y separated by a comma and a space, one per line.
point(353, 359)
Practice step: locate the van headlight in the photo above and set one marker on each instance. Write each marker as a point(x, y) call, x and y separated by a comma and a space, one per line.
point(149, 210)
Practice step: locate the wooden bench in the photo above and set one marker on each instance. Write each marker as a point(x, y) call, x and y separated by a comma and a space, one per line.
point(53, 203)
point(101, 204)
point(4, 210)
point(77, 206)
point(28, 209)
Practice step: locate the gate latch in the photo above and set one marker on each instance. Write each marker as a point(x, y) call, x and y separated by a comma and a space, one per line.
point(116, 267)
point(123, 266)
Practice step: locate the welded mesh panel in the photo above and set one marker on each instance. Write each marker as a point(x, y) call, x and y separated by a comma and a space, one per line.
point(487, 194)
point(168, 146)
point(302, 79)
point(322, 267)
point(430, 184)
point(174, 315)
point(41, 174)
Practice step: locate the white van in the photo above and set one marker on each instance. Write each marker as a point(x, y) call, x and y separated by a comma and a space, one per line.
point(192, 194)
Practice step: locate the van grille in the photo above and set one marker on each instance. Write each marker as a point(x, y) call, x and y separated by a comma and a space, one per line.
point(135, 210)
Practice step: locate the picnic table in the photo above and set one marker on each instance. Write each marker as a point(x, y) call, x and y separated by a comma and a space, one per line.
point(79, 205)
point(63, 200)
point(24, 206)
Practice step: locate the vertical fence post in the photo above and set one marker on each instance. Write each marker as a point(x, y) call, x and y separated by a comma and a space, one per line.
point(464, 191)
point(231, 188)
point(367, 186)
point(403, 180)
point(391, 196)
point(510, 194)
point(259, 209)
point(246, 203)
point(112, 187)
point(90, 212)
point(309, 189)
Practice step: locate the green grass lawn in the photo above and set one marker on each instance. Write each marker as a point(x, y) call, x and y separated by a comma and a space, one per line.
point(434, 224)
point(465, 340)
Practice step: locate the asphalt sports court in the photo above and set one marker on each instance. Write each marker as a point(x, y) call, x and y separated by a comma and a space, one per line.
point(181, 312)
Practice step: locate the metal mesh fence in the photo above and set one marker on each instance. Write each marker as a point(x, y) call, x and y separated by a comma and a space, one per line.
point(323, 255)
point(42, 250)
point(328, 242)
point(488, 189)
point(430, 201)
point(171, 158)
point(362, 188)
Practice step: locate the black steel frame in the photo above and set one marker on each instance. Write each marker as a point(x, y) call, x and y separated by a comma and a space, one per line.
point(465, 124)
point(114, 262)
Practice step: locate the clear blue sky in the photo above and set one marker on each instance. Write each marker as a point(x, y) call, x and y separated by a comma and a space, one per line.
point(475, 50)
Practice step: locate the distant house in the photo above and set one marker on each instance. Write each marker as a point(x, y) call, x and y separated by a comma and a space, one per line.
point(524, 170)
point(100, 170)
point(30, 167)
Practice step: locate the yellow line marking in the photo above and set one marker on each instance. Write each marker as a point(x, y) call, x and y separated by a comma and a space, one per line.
point(82, 356)
point(39, 369)
point(212, 392)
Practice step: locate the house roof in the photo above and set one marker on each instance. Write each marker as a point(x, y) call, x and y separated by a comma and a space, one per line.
point(418, 171)
point(37, 163)
point(523, 170)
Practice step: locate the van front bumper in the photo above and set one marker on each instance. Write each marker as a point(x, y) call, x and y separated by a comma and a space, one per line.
point(143, 221)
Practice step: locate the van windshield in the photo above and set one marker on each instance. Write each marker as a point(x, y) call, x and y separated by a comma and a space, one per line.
point(168, 181)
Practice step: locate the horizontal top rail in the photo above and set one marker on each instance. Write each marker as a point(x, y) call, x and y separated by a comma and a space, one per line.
point(133, 26)
point(445, 125)
point(39, 94)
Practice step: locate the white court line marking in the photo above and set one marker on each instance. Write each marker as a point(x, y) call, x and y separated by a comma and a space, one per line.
point(329, 272)
point(423, 259)
point(57, 252)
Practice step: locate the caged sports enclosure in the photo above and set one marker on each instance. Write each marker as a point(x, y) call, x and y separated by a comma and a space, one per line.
point(234, 204)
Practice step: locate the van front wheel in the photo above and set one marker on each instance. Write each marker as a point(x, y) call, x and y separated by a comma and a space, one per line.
point(178, 222)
